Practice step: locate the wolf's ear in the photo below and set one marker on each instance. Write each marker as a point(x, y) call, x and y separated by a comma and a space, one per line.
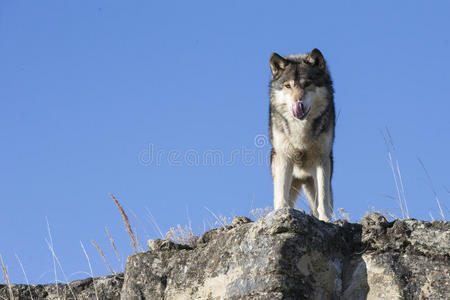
point(277, 64)
point(315, 58)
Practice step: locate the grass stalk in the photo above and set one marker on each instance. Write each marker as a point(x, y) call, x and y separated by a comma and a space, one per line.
point(111, 240)
point(108, 266)
point(432, 188)
point(403, 189)
point(53, 257)
point(388, 141)
point(90, 269)
point(126, 222)
point(141, 224)
point(6, 278)
point(219, 221)
point(25, 275)
point(154, 223)
point(138, 244)
point(52, 250)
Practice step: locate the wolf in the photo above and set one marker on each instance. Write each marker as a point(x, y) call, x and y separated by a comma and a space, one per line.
point(301, 131)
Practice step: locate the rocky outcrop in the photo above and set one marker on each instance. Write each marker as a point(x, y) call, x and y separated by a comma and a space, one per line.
point(290, 255)
point(406, 259)
point(108, 287)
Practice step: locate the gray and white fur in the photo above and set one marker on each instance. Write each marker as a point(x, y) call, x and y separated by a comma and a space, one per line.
point(301, 129)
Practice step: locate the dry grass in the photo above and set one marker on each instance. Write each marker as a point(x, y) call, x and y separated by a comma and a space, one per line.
point(133, 235)
point(50, 246)
point(182, 235)
point(154, 223)
point(398, 180)
point(25, 275)
point(387, 214)
point(111, 240)
point(108, 266)
point(432, 188)
point(401, 195)
point(185, 235)
point(90, 269)
point(138, 244)
point(344, 214)
point(56, 260)
point(220, 220)
point(6, 278)
point(259, 213)
point(138, 220)
point(53, 257)
point(127, 223)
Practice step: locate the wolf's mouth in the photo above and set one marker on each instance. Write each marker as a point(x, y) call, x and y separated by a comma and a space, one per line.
point(299, 110)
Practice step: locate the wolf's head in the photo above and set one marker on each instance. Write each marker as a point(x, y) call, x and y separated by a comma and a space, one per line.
point(300, 82)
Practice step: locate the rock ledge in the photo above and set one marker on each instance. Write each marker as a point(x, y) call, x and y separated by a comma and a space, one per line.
point(285, 255)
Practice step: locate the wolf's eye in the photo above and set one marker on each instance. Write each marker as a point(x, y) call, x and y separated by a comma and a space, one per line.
point(287, 85)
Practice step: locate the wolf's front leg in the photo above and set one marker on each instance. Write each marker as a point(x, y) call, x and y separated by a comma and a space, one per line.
point(323, 186)
point(281, 167)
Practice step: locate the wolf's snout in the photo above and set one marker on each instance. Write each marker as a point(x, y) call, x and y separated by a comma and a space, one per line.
point(299, 96)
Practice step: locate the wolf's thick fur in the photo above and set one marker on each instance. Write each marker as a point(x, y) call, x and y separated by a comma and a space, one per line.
point(302, 142)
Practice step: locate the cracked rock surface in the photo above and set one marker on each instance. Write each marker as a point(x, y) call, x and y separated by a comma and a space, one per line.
point(285, 255)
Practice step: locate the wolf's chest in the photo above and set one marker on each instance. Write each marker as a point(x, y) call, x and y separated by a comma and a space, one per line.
point(299, 134)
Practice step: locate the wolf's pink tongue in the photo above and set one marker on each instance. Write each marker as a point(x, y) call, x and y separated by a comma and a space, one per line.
point(297, 109)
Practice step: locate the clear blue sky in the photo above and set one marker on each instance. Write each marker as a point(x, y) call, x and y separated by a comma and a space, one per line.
point(89, 88)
